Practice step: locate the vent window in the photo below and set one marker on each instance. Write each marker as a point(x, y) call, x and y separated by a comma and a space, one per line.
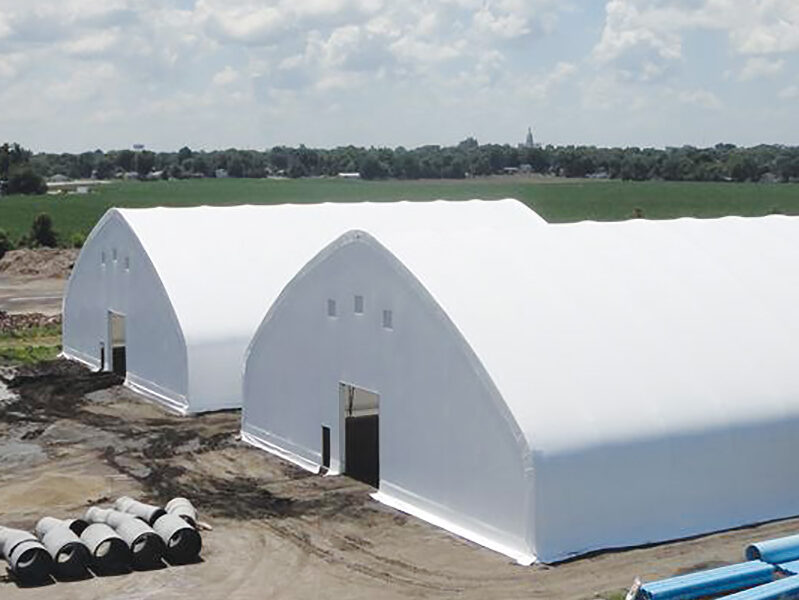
point(331, 308)
point(388, 319)
point(358, 305)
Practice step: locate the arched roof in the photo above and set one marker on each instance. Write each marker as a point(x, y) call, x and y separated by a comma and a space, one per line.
point(224, 266)
point(593, 333)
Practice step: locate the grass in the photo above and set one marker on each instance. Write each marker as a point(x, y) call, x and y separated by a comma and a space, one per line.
point(31, 333)
point(30, 345)
point(555, 200)
point(27, 354)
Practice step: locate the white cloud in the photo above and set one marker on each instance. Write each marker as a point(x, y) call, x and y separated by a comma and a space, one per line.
point(92, 44)
point(759, 66)
point(542, 87)
point(642, 37)
point(790, 92)
point(701, 98)
point(76, 72)
point(226, 76)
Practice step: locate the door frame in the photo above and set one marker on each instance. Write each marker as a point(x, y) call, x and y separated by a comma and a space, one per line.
point(109, 338)
point(344, 386)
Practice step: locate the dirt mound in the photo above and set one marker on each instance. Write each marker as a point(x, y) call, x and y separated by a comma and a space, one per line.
point(39, 262)
point(26, 321)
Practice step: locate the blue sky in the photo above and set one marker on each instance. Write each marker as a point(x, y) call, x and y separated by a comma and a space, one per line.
point(77, 75)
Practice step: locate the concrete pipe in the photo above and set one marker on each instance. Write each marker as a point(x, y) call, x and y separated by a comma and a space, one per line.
point(146, 546)
point(184, 509)
point(183, 542)
point(70, 555)
point(26, 556)
point(109, 552)
point(76, 525)
point(146, 512)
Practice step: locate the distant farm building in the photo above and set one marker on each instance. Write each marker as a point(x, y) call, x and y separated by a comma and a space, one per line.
point(352, 175)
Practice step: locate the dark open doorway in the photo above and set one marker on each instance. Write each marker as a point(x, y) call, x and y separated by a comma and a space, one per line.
point(325, 449)
point(116, 327)
point(361, 434)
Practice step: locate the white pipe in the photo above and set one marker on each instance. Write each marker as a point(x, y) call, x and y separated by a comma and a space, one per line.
point(110, 553)
point(184, 509)
point(146, 512)
point(70, 555)
point(146, 546)
point(28, 558)
point(183, 542)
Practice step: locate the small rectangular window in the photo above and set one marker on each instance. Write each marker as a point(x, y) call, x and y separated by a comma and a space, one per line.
point(331, 308)
point(102, 258)
point(127, 263)
point(115, 254)
point(388, 319)
point(358, 305)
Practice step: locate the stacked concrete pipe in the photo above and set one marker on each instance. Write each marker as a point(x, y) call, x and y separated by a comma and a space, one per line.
point(183, 542)
point(146, 546)
point(109, 552)
point(26, 556)
point(70, 555)
point(183, 509)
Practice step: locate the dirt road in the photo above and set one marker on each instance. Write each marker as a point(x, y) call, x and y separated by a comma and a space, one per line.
point(70, 438)
point(21, 294)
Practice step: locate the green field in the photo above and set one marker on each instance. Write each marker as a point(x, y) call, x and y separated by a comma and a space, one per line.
point(555, 200)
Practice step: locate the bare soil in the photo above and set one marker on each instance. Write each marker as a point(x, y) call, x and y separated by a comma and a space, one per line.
point(39, 262)
point(70, 438)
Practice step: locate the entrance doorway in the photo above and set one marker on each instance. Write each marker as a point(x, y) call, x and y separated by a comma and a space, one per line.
point(361, 410)
point(116, 331)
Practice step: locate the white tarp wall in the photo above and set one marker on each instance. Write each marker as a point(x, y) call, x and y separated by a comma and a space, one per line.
point(449, 450)
point(647, 369)
point(113, 273)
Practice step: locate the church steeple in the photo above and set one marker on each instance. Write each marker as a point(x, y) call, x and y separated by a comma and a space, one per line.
point(529, 142)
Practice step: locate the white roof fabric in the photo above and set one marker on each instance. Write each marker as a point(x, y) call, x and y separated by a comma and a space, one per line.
point(222, 267)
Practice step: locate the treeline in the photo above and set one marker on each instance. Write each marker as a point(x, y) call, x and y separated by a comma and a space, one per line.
point(17, 175)
point(723, 162)
point(41, 235)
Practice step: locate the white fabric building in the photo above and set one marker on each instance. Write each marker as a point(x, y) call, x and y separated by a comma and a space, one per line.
point(543, 390)
point(176, 294)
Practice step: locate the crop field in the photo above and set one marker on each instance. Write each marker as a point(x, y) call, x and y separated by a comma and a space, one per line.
point(557, 200)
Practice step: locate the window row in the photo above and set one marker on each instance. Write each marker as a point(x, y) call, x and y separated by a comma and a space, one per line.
point(114, 258)
point(358, 309)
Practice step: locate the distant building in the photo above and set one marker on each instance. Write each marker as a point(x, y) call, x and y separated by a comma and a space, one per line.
point(58, 178)
point(220, 173)
point(529, 141)
point(353, 175)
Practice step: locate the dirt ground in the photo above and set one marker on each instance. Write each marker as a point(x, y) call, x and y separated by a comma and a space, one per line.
point(34, 280)
point(52, 263)
point(24, 294)
point(70, 438)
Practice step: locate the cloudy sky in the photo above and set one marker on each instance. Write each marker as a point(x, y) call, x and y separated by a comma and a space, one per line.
point(84, 74)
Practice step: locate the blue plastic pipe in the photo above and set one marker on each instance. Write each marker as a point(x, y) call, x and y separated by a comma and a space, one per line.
point(710, 582)
point(779, 550)
point(791, 568)
point(782, 588)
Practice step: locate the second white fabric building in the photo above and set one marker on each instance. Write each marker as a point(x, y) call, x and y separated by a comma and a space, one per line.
point(543, 390)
